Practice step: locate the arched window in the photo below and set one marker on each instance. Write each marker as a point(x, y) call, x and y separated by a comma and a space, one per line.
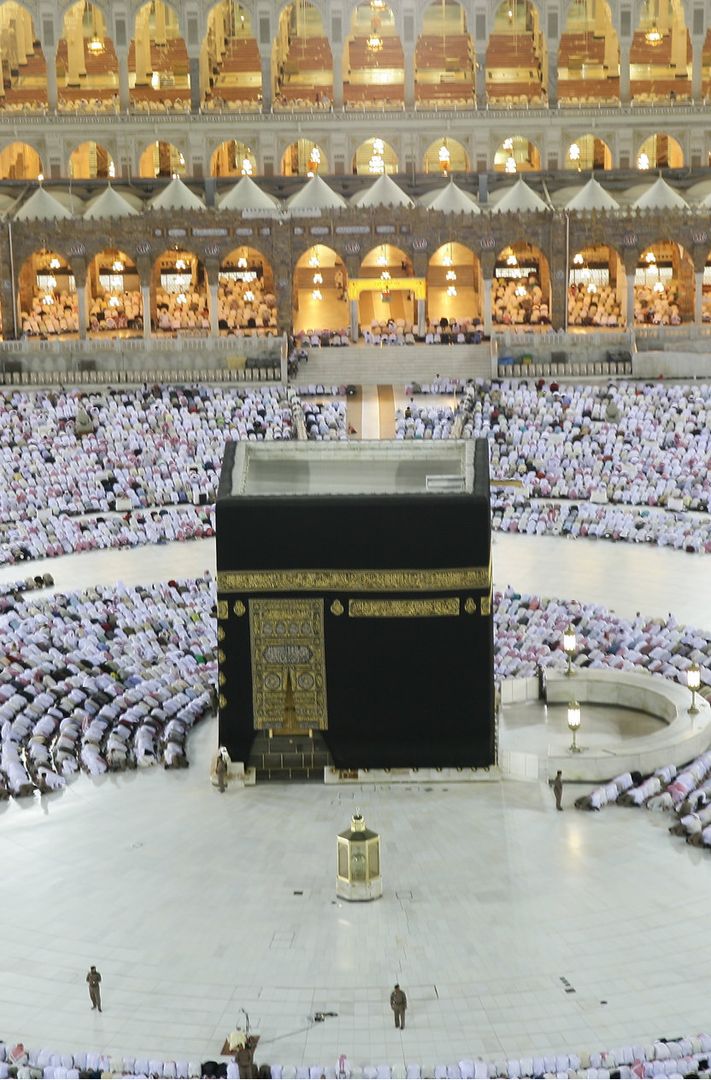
point(87, 65)
point(444, 58)
point(373, 59)
point(230, 64)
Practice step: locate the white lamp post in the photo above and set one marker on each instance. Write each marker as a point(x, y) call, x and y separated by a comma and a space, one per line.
point(693, 681)
point(569, 645)
point(574, 724)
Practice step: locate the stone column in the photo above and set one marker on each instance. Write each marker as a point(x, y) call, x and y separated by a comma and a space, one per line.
point(421, 318)
point(214, 313)
point(161, 37)
point(194, 64)
point(337, 52)
point(698, 296)
point(124, 95)
point(625, 71)
point(82, 286)
point(146, 306)
point(267, 93)
point(50, 53)
point(697, 69)
point(629, 298)
point(409, 78)
point(355, 329)
point(552, 88)
point(486, 309)
point(76, 61)
point(480, 80)
point(143, 61)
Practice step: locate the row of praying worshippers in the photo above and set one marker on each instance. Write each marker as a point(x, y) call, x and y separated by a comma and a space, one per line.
point(142, 447)
point(47, 536)
point(685, 793)
point(528, 636)
point(50, 314)
point(322, 339)
point(513, 512)
point(631, 443)
point(325, 420)
point(108, 678)
point(454, 332)
point(424, 422)
point(684, 1056)
point(245, 305)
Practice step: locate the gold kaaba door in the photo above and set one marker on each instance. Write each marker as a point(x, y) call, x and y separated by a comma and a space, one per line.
point(288, 665)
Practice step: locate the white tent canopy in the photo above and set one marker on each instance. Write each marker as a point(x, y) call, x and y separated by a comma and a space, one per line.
point(316, 195)
point(450, 200)
point(660, 196)
point(109, 205)
point(519, 199)
point(41, 206)
point(384, 192)
point(592, 196)
point(246, 195)
point(176, 196)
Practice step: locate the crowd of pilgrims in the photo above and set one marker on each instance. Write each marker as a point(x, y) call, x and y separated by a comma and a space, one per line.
point(684, 793)
point(115, 468)
point(113, 677)
point(662, 1058)
point(106, 678)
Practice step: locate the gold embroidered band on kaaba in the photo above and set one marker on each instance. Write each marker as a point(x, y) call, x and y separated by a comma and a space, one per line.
point(403, 609)
point(367, 581)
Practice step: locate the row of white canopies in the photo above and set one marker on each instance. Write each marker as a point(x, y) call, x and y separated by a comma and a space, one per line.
point(316, 197)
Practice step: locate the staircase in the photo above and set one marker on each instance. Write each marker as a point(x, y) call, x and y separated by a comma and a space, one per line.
point(288, 758)
point(370, 365)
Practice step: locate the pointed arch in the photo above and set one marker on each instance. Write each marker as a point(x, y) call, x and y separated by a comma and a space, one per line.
point(597, 287)
point(664, 285)
point(90, 161)
point(230, 64)
point(320, 300)
point(47, 295)
point(158, 63)
point(444, 57)
point(589, 55)
point(87, 65)
point(516, 59)
point(179, 293)
point(302, 62)
point(374, 59)
point(114, 295)
point(246, 301)
point(24, 69)
point(661, 54)
point(521, 292)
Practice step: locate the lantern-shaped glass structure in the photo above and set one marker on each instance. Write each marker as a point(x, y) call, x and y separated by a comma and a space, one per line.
point(358, 869)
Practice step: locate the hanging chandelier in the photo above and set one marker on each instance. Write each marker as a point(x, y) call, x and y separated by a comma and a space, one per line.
point(654, 36)
point(444, 157)
point(95, 44)
point(374, 41)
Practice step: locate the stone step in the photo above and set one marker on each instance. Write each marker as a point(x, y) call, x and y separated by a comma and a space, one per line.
point(366, 365)
point(307, 775)
point(289, 757)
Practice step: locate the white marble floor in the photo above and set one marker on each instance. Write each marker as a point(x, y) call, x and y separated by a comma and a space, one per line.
point(194, 905)
point(539, 729)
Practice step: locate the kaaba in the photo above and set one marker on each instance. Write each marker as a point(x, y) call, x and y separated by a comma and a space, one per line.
point(354, 600)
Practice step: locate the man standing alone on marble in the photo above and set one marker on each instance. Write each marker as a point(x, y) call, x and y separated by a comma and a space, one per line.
point(558, 789)
point(94, 980)
point(398, 1004)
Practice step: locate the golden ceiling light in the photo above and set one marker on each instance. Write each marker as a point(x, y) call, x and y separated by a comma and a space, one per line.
point(654, 36)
